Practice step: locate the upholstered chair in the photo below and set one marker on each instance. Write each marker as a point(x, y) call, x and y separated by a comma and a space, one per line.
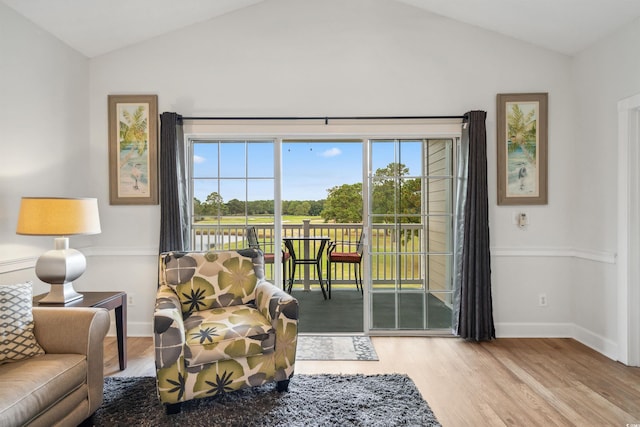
point(220, 326)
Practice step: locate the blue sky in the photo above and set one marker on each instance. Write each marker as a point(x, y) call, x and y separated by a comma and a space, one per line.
point(309, 168)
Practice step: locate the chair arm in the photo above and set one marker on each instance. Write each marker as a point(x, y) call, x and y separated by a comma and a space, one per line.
point(271, 247)
point(71, 330)
point(282, 311)
point(274, 303)
point(333, 245)
point(168, 327)
point(80, 331)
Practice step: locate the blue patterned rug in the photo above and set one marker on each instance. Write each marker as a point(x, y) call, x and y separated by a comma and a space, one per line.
point(335, 347)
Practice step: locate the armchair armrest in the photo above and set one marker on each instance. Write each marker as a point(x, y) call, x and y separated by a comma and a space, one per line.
point(281, 309)
point(273, 303)
point(168, 327)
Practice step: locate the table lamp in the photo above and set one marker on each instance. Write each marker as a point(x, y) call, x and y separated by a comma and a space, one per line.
point(54, 216)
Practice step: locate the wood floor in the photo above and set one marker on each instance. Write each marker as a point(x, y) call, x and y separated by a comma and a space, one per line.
point(507, 382)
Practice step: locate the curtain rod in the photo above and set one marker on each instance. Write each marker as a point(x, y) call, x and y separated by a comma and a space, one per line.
point(326, 119)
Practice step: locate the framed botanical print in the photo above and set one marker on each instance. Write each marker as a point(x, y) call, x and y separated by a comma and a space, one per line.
point(522, 148)
point(133, 149)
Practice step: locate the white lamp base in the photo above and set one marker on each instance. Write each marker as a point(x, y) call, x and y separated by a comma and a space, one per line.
point(61, 294)
point(60, 267)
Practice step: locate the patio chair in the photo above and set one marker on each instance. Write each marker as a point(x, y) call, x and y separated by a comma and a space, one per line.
point(269, 257)
point(349, 253)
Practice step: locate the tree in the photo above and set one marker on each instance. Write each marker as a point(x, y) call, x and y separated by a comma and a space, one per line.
point(285, 207)
point(214, 205)
point(293, 207)
point(235, 207)
point(411, 199)
point(316, 207)
point(343, 204)
point(387, 183)
point(260, 207)
point(302, 208)
point(396, 198)
point(197, 208)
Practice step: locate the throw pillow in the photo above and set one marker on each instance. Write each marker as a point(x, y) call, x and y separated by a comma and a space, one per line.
point(16, 323)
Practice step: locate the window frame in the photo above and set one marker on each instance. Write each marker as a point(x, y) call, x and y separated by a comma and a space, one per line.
point(362, 131)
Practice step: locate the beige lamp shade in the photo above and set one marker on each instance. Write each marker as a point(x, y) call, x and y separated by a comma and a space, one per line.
point(53, 216)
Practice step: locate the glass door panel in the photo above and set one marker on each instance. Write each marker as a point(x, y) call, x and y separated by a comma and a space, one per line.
point(410, 186)
point(411, 309)
point(232, 185)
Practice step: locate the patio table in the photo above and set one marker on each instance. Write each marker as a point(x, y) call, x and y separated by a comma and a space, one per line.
point(307, 258)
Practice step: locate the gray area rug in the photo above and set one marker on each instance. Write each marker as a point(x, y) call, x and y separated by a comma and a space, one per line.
point(312, 400)
point(335, 347)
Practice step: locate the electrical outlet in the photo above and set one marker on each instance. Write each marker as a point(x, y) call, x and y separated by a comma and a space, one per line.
point(542, 300)
point(131, 299)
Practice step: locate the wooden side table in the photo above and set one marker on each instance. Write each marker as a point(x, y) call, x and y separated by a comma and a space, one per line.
point(111, 301)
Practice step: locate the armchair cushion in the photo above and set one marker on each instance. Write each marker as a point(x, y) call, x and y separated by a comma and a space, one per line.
point(215, 279)
point(227, 333)
point(16, 324)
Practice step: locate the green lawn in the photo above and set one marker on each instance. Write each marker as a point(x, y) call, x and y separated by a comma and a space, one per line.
point(259, 219)
point(411, 267)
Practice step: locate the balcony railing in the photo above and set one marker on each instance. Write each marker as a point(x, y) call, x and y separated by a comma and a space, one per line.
point(396, 249)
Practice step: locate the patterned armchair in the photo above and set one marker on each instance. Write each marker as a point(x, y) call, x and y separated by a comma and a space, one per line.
point(219, 326)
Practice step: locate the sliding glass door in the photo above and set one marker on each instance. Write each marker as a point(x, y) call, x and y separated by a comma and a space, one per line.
point(398, 193)
point(410, 217)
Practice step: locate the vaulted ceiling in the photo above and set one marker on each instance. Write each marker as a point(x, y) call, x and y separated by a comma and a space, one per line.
point(96, 27)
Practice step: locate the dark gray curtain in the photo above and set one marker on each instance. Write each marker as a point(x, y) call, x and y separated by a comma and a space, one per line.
point(473, 261)
point(174, 208)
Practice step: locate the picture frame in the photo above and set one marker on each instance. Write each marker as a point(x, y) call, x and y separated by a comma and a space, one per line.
point(522, 138)
point(133, 149)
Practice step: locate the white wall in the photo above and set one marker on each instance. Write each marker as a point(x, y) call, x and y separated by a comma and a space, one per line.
point(286, 57)
point(603, 75)
point(44, 130)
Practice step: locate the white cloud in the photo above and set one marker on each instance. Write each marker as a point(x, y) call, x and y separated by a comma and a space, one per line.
point(331, 152)
point(198, 159)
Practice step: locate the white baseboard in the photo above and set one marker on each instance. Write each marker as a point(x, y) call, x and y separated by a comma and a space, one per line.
point(597, 342)
point(594, 341)
point(534, 330)
point(134, 329)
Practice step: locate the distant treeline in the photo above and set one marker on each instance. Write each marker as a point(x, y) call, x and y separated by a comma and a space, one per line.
point(214, 206)
point(394, 198)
